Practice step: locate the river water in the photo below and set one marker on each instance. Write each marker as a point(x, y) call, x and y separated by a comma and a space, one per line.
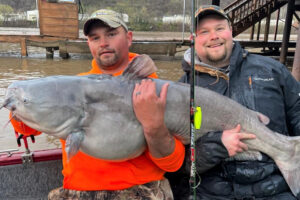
point(14, 68)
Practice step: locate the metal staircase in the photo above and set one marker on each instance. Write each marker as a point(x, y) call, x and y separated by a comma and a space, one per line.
point(245, 13)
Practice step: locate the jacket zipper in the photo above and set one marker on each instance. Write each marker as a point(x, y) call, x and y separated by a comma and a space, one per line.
point(250, 82)
point(228, 93)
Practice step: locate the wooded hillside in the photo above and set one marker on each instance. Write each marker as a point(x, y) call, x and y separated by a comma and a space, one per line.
point(160, 6)
point(143, 15)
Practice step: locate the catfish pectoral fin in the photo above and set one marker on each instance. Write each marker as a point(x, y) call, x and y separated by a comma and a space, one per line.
point(263, 118)
point(73, 144)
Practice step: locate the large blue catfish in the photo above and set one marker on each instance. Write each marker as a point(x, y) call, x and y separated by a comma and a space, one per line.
point(94, 114)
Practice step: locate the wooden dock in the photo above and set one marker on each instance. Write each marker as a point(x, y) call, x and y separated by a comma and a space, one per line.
point(59, 30)
point(67, 46)
point(152, 43)
point(157, 43)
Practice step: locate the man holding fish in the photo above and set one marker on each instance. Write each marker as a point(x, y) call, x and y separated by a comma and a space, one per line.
point(102, 106)
point(259, 83)
point(86, 177)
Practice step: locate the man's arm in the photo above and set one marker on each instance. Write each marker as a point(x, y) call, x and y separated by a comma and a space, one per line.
point(233, 140)
point(214, 147)
point(149, 110)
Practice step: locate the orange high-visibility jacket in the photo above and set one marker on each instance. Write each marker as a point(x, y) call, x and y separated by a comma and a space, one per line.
point(84, 172)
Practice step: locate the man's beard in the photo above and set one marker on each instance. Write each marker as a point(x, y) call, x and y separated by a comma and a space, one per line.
point(108, 62)
point(217, 59)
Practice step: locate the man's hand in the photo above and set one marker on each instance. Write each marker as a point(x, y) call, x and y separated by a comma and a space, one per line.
point(149, 110)
point(232, 140)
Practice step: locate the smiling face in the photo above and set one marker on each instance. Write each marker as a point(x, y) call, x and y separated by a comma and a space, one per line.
point(214, 41)
point(109, 47)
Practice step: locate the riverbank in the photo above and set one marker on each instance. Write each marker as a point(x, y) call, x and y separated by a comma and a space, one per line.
point(24, 42)
point(137, 35)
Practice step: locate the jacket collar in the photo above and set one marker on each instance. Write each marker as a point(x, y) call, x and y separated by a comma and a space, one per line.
point(237, 56)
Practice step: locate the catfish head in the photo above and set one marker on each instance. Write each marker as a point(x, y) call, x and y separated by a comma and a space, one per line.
point(49, 105)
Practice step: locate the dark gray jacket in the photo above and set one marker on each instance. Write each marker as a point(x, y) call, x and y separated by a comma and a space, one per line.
point(272, 91)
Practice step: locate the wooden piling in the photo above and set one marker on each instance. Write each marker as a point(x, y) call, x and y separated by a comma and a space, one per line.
point(23, 47)
point(49, 52)
point(287, 30)
point(258, 30)
point(267, 28)
point(252, 32)
point(296, 63)
point(276, 27)
point(63, 52)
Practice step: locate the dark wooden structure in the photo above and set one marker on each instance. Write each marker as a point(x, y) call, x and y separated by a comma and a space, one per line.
point(287, 30)
point(215, 2)
point(296, 64)
point(244, 14)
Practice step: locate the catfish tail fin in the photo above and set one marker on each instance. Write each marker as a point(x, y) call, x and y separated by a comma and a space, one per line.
point(290, 167)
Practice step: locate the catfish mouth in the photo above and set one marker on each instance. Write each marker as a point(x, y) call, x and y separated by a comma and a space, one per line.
point(24, 118)
point(28, 120)
point(6, 104)
point(10, 104)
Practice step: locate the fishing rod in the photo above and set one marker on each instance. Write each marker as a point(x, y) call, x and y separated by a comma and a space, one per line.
point(80, 9)
point(193, 110)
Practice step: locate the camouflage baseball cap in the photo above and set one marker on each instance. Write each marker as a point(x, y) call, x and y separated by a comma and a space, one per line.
point(208, 10)
point(109, 17)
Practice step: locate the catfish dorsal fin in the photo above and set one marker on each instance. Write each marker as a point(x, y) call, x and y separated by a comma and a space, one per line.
point(263, 118)
point(140, 67)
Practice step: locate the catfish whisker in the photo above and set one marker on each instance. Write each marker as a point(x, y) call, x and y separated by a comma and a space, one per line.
point(9, 120)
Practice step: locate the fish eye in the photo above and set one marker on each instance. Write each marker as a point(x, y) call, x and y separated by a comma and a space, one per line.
point(25, 100)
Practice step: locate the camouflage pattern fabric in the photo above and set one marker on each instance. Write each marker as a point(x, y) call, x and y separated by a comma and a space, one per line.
point(156, 190)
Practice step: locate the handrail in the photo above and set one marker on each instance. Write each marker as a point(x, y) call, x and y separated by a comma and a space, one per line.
point(233, 4)
point(249, 8)
point(245, 13)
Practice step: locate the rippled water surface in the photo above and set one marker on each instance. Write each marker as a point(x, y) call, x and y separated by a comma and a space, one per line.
point(13, 68)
